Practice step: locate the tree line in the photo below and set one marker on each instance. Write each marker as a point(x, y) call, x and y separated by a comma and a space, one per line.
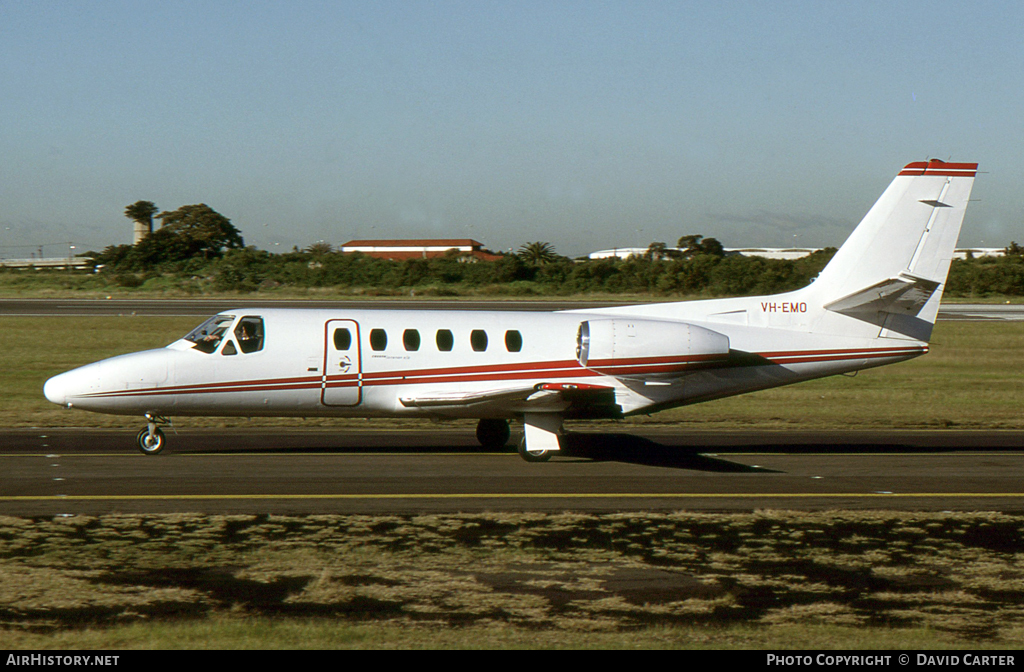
point(198, 250)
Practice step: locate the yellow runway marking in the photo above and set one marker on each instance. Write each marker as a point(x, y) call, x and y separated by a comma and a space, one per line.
point(966, 452)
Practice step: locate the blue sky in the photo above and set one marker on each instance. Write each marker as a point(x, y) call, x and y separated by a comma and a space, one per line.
point(585, 124)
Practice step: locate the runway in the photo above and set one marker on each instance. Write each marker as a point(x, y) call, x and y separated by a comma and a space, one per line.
point(49, 472)
point(207, 307)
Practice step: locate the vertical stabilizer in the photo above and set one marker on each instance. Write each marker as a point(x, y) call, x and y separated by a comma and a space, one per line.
point(891, 270)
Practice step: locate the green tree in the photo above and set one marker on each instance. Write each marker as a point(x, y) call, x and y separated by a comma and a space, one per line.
point(656, 251)
point(161, 246)
point(203, 230)
point(113, 256)
point(512, 268)
point(692, 245)
point(538, 253)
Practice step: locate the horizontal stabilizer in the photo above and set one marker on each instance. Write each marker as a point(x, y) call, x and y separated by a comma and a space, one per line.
point(905, 294)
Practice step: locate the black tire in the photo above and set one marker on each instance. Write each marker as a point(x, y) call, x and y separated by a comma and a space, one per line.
point(151, 444)
point(533, 455)
point(493, 433)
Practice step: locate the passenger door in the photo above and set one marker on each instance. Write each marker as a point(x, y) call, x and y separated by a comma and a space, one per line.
point(342, 380)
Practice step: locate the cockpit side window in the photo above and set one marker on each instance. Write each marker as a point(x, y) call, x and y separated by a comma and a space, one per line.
point(249, 334)
point(208, 335)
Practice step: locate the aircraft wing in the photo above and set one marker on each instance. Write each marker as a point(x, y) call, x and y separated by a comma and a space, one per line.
point(578, 399)
point(905, 294)
point(431, 400)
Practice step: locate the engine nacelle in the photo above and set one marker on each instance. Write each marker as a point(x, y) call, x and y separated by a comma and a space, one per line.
point(643, 348)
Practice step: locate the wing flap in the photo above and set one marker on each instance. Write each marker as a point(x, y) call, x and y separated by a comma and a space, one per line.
point(438, 399)
point(575, 400)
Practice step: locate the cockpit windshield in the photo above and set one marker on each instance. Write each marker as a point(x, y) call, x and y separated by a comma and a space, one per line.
point(207, 336)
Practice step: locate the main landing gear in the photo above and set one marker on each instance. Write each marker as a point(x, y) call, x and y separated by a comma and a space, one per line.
point(151, 439)
point(493, 433)
point(533, 455)
point(540, 436)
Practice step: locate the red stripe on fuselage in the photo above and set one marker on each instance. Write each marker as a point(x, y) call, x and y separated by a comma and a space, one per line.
point(846, 354)
point(504, 372)
point(203, 388)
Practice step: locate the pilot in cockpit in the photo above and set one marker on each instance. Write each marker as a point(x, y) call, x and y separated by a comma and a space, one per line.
point(249, 335)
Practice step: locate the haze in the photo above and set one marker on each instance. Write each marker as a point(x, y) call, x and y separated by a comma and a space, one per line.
point(589, 125)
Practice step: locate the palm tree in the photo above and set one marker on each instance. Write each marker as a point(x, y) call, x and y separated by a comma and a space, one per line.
point(538, 253)
point(320, 248)
point(141, 212)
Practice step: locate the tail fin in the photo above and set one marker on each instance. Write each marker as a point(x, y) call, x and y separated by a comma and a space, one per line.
point(891, 270)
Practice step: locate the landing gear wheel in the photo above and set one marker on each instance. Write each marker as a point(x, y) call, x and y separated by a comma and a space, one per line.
point(533, 455)
point(492, 433)
point(151, 443)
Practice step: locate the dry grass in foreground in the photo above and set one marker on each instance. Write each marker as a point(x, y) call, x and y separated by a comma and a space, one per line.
point(957, 576)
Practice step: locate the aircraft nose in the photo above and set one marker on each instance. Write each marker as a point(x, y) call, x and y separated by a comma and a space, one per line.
point(56, 389)
point(66, 388)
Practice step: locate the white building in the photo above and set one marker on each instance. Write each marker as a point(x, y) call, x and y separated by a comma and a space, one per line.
point(782, 252)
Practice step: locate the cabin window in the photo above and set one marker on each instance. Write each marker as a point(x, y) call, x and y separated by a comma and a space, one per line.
point(208, 335)
point(249, 334)
point(513, 341)
point(411, 339)
point(342, 339)
point(229, 348)
point(445, 340)
point(478, 339)
point(378, 339)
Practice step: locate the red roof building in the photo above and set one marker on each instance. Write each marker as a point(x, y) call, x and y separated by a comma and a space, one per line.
point(417, 249)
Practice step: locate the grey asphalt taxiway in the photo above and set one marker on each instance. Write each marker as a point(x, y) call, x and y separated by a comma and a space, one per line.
point(286, 471)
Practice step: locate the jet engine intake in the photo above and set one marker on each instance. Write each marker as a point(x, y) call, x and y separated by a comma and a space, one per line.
point(643, 348)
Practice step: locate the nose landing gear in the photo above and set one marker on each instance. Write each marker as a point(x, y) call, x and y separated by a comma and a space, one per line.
point(151, 439)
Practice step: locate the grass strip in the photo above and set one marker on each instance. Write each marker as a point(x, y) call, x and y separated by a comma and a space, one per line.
point(670, 580)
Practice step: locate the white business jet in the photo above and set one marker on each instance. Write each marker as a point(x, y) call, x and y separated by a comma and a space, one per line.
point(875, 303)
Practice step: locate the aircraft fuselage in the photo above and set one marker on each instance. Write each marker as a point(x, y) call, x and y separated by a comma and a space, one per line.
point(316, 362)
